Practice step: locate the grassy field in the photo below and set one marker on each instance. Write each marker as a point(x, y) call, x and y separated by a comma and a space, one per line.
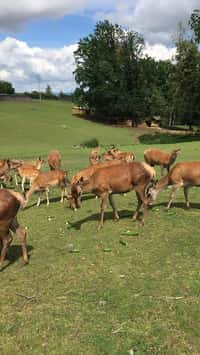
point(118, 292)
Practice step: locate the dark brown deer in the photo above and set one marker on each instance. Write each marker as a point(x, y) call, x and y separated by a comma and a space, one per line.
point(10, 202)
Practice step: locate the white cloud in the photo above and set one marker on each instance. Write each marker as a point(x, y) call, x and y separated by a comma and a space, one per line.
point(14, 14)
point(160, 52)
point(25, 66)
point(156, 20)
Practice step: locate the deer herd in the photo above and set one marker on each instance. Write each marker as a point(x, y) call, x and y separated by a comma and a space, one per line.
point(113, 172)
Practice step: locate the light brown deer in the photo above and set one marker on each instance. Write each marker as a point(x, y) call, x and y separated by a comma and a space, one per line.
point(29, 172)
point(54, 160)
point(4, 171)
point(185, 174)
point(10, 202)
point(126, 156)
point(45, 181)
point(118, 178)
point(159, 157)
point(94, 156)
point(107, 156)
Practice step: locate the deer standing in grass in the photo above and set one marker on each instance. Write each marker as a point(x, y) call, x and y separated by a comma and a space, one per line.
point(126, 156)
point(94, 156)
point(54, 160)
point(45, 181)
point(10, 202)
point(115, 179)
point(88, 172)
point(185, 174)
point(29, 172)
point(159, 157)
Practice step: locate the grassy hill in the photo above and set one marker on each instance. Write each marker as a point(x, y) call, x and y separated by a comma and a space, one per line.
point(118, 292)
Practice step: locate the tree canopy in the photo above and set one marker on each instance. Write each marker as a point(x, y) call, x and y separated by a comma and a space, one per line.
point(115, 80)
point(6, 87)
point(195, 24)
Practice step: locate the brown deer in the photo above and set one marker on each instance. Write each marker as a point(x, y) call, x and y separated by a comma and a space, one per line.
point(29, 172)
point(54, 160)
point(118, 178)
point(94, 156)
point(6, 166)
point(45, 181)
point(10, 202)
point(159, 157)
point(107, 156)
point(127, 156)
point(185, 174)
point(88, 172)
point(4, 171)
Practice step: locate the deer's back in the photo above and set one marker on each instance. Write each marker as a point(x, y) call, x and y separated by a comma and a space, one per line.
point(187, 172)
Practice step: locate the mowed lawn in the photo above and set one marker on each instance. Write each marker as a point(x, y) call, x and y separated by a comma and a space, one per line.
point(114, 293)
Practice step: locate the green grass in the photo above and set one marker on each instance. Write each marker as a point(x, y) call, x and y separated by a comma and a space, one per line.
point(110, 297)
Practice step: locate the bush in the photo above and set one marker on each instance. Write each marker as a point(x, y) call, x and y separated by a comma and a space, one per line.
point(165, 138)
point(92, 143)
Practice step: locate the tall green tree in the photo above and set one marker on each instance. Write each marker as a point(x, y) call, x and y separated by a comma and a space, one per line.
point(187, 81)
point(156, 85)
point(107, 71)
point(195, 24)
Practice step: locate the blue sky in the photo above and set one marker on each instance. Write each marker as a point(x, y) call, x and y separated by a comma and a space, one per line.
point(38, 37)
point(53, 33)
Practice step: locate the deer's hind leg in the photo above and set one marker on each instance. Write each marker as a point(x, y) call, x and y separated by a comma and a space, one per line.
point(21, 233)
point(112, 204)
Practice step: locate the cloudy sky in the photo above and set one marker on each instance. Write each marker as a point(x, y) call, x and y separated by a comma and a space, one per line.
point(38, 37)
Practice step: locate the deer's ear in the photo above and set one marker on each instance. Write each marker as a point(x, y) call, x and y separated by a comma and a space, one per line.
point(153, 183)
point(80, 181)
point(83, 181)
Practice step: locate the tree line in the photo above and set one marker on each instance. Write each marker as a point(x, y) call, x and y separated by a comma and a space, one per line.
point(116, 81)
point(8, 89)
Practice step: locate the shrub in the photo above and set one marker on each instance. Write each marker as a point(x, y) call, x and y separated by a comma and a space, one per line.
point(91, 143)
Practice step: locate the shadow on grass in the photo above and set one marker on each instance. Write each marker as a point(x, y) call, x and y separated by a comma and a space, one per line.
point(43, 202)
point(57, 199)
point(15, 253)
point(107, 217)
point(180, 205)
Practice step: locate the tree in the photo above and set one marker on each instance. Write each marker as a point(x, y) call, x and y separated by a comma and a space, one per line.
point(187, 81)
point(195, 24)
point(48, 91)
point(156, 85)
point(6, 87)
point(107, 72)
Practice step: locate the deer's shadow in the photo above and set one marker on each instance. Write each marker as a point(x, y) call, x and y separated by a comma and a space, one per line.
point(57, 199)
point(14, 253)
point(108, 216)
point(180, 205)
